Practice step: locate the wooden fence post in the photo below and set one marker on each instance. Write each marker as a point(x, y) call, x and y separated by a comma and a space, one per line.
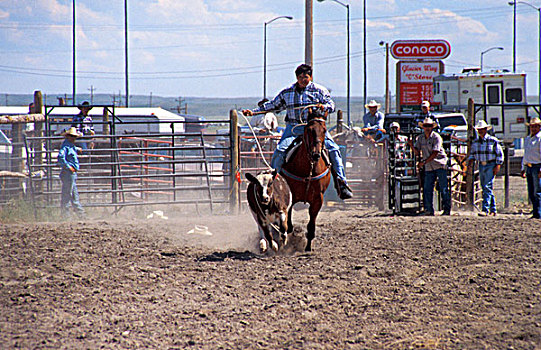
point(339, 121)
point(234, 148)
point(470, 190)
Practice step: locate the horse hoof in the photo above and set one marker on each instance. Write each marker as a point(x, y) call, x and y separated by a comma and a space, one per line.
point(284, 239)
point(308, 247)
point(274, 246)
point(263, 246)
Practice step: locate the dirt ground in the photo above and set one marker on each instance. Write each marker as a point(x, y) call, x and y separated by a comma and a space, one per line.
point(372, 282)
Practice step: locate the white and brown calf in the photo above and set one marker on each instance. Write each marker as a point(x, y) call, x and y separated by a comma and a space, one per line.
point(269, 199)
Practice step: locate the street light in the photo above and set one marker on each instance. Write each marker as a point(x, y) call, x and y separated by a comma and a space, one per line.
point(348, 62)
point(265, 52)
point(487, 50)
point(539, 44)
point(387, 96)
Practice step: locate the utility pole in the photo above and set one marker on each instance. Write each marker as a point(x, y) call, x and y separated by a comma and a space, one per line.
point(150, 101)
point(180, 101)
point(92, 88)
point(309, 33)
point(364, 55)
point(126, 48)
point(73, 58)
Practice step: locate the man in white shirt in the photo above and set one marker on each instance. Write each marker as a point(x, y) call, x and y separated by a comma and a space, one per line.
point(531, 165)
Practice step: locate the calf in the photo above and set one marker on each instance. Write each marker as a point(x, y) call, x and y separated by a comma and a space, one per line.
point(269, 199)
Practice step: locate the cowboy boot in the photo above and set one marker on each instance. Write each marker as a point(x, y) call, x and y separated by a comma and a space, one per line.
point(344, 192)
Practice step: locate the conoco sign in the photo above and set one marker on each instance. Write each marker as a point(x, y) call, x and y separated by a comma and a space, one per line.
point(420, 49)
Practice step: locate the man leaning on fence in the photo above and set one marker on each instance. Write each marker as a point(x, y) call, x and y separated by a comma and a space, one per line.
point(486, 150)
point(69, 162)
point(531, 165)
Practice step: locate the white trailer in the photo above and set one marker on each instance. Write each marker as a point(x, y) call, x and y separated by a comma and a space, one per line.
point(502, 93)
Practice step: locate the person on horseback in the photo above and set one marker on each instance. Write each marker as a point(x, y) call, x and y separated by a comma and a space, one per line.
point(304, 92)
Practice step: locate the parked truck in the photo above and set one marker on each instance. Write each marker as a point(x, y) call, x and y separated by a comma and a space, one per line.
point(502, 94)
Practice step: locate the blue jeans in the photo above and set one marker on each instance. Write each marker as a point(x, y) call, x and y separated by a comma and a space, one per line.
point(289, 135)
point(428, 189)
point(486, 176)
point(534, 189)
point(69, 193)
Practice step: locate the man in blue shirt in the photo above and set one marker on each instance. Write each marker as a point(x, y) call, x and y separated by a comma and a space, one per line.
point(69, 162)
point(83, 123)
point(488, 152)
point(373, 121)
point(304, 92)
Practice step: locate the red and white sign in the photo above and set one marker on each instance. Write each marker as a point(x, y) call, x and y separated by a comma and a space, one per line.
point(414, 94)
point(419, 72)
point(415, 81)
point(420, 49)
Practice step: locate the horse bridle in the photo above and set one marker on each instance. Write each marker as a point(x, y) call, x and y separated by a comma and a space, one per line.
point(310, 153)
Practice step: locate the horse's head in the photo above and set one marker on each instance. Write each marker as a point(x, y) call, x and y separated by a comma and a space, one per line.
point(314, 134)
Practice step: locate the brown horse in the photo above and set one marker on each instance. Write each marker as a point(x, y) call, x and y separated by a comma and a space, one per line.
point(307, 173)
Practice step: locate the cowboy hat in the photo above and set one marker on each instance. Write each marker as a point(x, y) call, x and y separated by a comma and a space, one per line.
point(483, 125)
point(534, 121)
point(372, 103)
point(425, 104)
point(85, 104)
point(71, 132)
point(395, 125)
point(426, 121)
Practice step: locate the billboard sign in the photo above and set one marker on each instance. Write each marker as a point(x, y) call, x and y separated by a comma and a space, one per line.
point(415, 82)
point(420, 49)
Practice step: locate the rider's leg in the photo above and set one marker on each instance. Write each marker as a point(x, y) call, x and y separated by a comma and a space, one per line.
point(338, 167)
point(279, 155)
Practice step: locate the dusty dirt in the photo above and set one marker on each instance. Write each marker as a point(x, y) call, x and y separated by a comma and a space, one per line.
point(372, 282)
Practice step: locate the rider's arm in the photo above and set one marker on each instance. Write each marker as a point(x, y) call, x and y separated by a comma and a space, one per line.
point(276, 105)
point(326, 100)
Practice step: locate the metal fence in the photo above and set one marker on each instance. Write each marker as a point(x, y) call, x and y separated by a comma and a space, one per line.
point(121, 170)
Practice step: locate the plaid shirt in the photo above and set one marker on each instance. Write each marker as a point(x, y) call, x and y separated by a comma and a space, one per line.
point(289, 98)
point(83, 124)
point(487, 149)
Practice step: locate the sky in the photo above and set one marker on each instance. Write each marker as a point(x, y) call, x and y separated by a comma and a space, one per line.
point(214, 48)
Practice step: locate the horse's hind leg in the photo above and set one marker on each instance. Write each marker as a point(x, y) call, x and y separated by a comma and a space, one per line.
point(311, 227)
point(289, 220)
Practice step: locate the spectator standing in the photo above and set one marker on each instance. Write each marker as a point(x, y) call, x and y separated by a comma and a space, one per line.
point(425, 113)
point(83, 122)
point(69, 162)
point(531, 165)
point(429, 146)
point(486, 150)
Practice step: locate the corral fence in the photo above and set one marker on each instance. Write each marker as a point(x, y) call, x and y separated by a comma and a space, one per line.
point(118, 170)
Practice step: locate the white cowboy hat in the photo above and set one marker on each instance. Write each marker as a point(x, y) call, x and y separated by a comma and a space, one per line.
point(395, 125)
point(372, 103)
point(534, 121)
point(483, 125)
point(71, 132)
point(425, 104)
point(200, 230)
point(157, 214)
point(426, 121)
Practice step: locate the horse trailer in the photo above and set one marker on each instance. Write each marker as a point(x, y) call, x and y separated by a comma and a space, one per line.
point(500, 95)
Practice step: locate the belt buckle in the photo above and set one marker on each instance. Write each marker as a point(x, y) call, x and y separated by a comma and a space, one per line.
point(484, 163)
point(529, 165)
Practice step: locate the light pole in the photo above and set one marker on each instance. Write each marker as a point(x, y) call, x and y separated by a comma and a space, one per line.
point(387, 95)
point(265, 51)
point(538, 9)
point(348, 60)
point(73, 58)
point(487, 50)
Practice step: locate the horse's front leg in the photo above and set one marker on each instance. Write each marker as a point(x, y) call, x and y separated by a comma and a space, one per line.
point(315, 206)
